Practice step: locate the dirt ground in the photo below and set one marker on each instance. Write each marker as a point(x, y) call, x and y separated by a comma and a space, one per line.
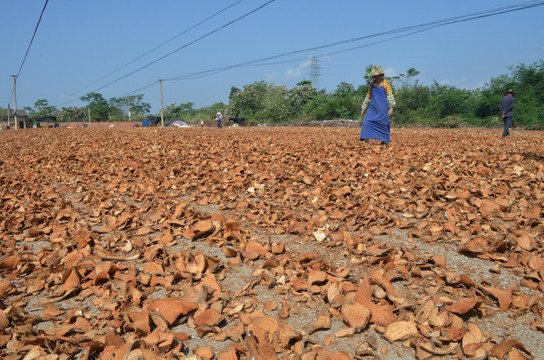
point(266, 243)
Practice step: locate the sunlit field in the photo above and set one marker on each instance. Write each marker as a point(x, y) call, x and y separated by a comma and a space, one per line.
point(265, 243)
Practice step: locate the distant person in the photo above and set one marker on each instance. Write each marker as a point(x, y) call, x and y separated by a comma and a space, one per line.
point(201, 123)
point(507, 110)
point(219, 118)
point(378, 105)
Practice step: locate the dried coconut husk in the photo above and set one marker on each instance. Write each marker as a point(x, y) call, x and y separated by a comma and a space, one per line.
point(524, 240)
point(229, 252)
point(266, 276)
point(260, 351)
point(443, 198)
point(284, 310)
point(356, 316)
point(316, 277)
point(197, 263)
point(463, 306)
point(171, 308)
point(323, 322)
point(504, 297)
point(4, 321)
point(476, 246)
point(381, 314)
point(334, 294)
point(323, 354)
point(253, 250)
point(202, 229)
point(209, 317)
point(431, 348)
point(278, 248)
point(264, 328)
point(346, 332)
point(10, 262)
point(204, 353)
point(227, 355)
point(400, 330)
point(287, 334)
point(472, 342)
point(515, 354)
point(504, 348)
point(232, 231)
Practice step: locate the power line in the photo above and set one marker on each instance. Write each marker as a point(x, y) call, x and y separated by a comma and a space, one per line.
point(156, 47)
point(33, 35)
point(29, 45)
point(188, 44)
point(408, 31)
point(182, 47)
point(140, 89)
point(413, 29)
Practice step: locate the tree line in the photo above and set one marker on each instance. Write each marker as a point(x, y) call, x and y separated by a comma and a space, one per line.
point(434, 105)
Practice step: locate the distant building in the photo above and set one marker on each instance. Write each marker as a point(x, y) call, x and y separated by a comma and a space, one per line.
point(45, 121)
point(7, 119)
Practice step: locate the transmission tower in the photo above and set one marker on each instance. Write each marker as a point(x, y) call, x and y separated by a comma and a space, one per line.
point(314, 71)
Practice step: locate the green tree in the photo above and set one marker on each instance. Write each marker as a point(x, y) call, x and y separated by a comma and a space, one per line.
point(98, 106)
point(41, 108)
point(301, 95)
point(72, 114)
point(233, 91)
point(248, 101)
point(182, 110)
point(447, 100)
point(130, 107)
point(344, 90)
point(318, 108)
point(528, 83)
point(261, 102)
point(44, 109)
point(412, 98)
point(488, 104)
point(529, 87)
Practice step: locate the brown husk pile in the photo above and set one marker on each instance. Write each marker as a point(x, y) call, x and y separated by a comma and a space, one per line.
point(268, 243)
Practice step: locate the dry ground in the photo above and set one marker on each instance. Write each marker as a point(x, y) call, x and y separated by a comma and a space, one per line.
point(290, 243)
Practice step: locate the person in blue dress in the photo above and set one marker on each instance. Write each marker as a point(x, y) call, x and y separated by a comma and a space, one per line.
point(378, 105)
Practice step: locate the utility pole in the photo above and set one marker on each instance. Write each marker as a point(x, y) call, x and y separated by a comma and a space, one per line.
point(162, 111)
point(15, 101)
point(8, 115)
point(89, 113)
point(128, 107)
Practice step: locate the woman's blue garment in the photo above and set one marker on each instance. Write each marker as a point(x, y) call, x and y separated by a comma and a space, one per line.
point(376, 122)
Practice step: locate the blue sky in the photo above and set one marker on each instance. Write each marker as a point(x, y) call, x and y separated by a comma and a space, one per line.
point(80, 42)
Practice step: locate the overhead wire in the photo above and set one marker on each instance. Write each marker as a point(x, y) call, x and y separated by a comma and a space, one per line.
point(188, 44)
point(29, 45)
point(182, 47)
point(156, 47)
point(413, 28)
point(32, 39)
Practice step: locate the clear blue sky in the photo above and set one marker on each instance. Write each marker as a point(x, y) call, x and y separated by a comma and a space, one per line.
point(79, 42)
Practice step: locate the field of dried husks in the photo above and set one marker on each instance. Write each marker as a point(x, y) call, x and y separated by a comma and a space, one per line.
point(265, 243)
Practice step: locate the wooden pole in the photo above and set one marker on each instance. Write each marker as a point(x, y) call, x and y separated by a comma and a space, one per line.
point(162, 111)
point(15, 101)
point(128, 107)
